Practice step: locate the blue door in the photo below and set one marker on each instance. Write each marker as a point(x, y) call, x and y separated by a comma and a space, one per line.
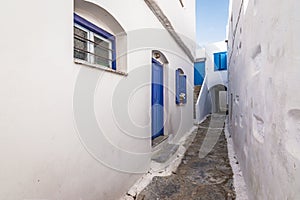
point(157, 102)
point(199, 73)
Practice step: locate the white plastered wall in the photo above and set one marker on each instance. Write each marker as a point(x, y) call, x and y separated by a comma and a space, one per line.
point(178, 16)
point(264, 80)
point(214, 77)
point(42, 145)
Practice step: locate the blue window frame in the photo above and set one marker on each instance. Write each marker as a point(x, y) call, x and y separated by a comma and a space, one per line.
point(93, 44)
point(180, 87)
point(220, 61)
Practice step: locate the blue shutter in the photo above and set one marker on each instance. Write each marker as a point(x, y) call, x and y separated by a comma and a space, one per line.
point(216, 61)
point(220, 61)
point(180, 87)
point(182, 81)
point(223, 60)
point(177, 87)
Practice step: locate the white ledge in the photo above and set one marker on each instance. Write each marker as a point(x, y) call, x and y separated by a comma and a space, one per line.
point(85, 63)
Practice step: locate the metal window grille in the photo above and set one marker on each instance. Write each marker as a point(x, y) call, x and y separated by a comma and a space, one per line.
point(93, 48)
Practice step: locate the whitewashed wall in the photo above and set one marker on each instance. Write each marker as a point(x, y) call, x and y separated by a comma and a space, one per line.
point(179, 15)
point(212, 78)
point(264, 82)
point(48, 149)
point(204, 103)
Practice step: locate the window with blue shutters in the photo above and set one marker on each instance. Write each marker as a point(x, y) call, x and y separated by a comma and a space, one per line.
point(220, 61)
point(180, 87)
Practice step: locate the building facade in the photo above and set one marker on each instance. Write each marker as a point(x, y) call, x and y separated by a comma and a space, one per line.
point(213, 95)
point(84, 90)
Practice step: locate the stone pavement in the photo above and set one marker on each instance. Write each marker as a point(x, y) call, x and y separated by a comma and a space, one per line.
point(205, 172)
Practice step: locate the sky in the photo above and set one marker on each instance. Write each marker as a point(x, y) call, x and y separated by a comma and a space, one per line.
point(211, 20)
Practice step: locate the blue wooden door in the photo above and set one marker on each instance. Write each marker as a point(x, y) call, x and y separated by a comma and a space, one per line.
point(199, 73)
point(157, 102)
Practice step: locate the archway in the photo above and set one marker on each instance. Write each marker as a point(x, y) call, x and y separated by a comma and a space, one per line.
point(218, 94)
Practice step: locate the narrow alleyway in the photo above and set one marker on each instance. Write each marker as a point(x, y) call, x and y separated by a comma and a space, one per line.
point(205, 172)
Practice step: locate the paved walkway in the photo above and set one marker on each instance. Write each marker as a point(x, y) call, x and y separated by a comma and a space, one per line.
point(205, 172)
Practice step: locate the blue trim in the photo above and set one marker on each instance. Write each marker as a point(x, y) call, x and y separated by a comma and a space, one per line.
point(114, 57)
point(177, 98)
point(156, 61)
point(92, 27)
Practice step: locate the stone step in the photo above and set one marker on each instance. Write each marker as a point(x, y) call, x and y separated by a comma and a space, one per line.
point(165, 153)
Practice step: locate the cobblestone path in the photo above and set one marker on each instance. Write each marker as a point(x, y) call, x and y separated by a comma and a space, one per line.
point(205, 172)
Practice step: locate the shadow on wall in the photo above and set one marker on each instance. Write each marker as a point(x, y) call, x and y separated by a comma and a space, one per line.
point(203, 105)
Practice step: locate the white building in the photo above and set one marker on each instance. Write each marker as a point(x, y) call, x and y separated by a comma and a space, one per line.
point(213, 95)
point(264, 101)
point(78, 81)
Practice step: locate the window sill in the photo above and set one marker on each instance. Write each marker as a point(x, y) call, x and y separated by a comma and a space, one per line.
point(81, 62)
point(216, 70)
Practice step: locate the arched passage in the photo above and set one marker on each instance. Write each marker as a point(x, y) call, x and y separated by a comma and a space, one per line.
point(218, 94)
